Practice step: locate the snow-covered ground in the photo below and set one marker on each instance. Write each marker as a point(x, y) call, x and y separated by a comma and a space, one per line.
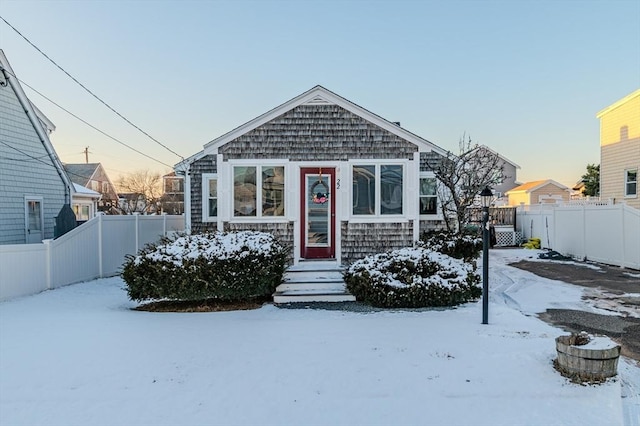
point(80, 356)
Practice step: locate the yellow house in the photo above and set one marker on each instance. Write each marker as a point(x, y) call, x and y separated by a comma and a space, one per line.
point(620, 150)
point(538, 192)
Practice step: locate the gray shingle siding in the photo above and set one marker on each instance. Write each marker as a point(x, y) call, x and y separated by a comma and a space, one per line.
point(206, 164)
point(364, 239)
point(25, 170)
point(318, 133)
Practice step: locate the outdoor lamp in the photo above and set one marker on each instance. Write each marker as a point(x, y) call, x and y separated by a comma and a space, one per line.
point(486, 195)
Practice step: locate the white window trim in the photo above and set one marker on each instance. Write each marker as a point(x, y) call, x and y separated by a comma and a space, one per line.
point(626, 175)
point(259, 218)
point(206, 177)
point(378, 217)
point(438, 214)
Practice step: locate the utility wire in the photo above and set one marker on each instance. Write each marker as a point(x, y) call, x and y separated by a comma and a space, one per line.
point(90, 92)
point(85, 122)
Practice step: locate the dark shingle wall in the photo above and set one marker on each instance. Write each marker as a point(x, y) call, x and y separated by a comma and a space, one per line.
point(364, 239)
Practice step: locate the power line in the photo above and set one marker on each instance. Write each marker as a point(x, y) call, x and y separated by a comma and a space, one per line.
point(85, 122)
point(90, 92)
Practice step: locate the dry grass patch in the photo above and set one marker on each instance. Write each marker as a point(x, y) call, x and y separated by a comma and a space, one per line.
point(209, 305)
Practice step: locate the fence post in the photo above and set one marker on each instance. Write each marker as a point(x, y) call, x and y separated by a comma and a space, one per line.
point(584, 232)
point(100, 254)
point(624, 237)
point(137, 215)
point(164, 224)
point(47, 247)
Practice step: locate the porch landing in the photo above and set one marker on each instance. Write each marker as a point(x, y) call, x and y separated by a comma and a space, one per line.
point(313, 281)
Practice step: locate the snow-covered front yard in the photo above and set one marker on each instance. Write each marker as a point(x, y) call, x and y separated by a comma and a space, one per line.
point(80, 356)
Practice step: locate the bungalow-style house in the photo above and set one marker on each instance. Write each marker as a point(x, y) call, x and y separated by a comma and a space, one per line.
point(94, 177)
point(172, 200)
point(620, 150)
point(35, 191)
point(539, 192)
point(332, 179)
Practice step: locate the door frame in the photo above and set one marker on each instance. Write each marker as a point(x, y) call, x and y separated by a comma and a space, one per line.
point(328, 252)
point(28, 236)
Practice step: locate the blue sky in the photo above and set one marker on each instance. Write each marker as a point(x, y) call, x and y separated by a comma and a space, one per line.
point(525, 78)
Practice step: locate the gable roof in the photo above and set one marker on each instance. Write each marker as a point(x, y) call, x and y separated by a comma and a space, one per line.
point(537, 184)
point(34, 117)
point(616, 104)
point(81, 173)
point(317, 95)
point(503, 158)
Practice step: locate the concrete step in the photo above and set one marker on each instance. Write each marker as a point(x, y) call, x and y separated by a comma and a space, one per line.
point(302, 296)
point(312, 285)
point(313, 276)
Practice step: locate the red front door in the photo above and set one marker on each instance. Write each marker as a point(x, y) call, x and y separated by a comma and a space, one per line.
point(318, 212)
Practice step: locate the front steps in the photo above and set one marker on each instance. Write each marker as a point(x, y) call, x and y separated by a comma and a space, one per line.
point(313, 281)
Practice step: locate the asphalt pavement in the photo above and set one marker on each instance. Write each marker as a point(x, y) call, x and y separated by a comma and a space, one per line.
point(617, 288)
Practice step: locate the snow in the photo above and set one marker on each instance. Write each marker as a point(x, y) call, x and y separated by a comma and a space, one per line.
point(80, 356)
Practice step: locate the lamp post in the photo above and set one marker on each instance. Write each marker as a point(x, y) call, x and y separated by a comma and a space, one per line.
point(485, 196)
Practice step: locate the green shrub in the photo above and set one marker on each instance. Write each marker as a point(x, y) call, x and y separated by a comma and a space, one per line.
point(412, 278)
point(225, 266)
point(466, 245)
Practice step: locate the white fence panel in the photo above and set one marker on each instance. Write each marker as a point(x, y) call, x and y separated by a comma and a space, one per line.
point(118, 239)
point(23, 269)
point(73, 256)
point(95, 249)
point(603, 233)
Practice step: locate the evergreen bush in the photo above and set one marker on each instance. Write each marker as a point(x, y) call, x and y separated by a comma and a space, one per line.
point(225, 266)
point(464, 245)
point(412, 278)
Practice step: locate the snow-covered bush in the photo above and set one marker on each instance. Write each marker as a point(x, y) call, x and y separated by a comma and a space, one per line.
point(466, 246)
point(224, 266)
point(412, 278)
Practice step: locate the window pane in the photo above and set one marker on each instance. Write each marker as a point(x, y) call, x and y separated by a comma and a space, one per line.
point(632, 182)
point(391, 189)
point(364, 189)
point(244, 191)
point(273, 191)
point(213, 198)
point(428, 196)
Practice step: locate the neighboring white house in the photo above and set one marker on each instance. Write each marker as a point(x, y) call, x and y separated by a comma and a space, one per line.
point(84, 203)
point(35, 191)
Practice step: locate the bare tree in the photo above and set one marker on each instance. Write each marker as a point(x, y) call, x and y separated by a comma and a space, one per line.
point(461, 178)
point(140, 192)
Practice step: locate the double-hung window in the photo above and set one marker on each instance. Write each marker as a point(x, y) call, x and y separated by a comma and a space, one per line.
point(428, 195)
point(377, 189)
point(631, 183)
point(258, 191)
point(209, 197)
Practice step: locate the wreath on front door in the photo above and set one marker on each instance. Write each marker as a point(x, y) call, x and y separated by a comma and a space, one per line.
point(318, 196)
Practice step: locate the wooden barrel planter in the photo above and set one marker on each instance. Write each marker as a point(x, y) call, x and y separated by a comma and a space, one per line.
point(587, 358)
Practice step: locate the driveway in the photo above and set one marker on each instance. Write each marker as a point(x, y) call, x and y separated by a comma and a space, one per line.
point(610, 288)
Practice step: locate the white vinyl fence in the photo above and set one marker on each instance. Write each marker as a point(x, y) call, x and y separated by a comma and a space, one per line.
point(602, 233)
point(95, 249)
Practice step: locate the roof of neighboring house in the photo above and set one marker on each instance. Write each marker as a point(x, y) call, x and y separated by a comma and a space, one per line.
point(84, 192)
point(503, 158)
point(532, 186)
point(317, 95)
point(81, 173)
point(618, 103)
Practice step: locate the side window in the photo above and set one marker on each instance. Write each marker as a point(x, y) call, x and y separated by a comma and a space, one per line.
point(391, 189)
point(244, 191)
point(631, 183)
point(428, 196)
point(364, 190)
point(273, 191)
point(209, 197)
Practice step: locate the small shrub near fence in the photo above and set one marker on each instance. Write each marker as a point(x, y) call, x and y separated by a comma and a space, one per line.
point(224, 266)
